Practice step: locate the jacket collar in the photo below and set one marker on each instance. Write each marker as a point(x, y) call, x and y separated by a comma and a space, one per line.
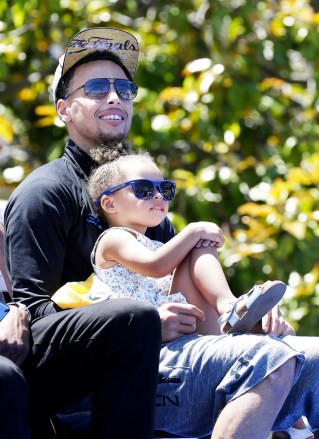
point(80, 159)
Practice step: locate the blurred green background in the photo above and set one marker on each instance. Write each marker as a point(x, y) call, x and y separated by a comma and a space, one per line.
point(228, 104)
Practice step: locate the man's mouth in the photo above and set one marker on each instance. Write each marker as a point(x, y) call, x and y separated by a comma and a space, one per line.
point(112, 117)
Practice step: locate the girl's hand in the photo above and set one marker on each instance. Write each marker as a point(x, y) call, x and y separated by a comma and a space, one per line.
point(206, 243)
point(210, 234)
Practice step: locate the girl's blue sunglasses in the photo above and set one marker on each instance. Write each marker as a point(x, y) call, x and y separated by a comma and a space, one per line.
point(144, 189)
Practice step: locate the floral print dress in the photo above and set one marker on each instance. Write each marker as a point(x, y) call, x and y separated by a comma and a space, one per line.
point(121, 282)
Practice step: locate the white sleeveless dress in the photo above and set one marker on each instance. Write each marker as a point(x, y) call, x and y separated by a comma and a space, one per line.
point(122, 282)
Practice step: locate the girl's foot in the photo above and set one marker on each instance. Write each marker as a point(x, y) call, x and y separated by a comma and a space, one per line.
point(249, 308)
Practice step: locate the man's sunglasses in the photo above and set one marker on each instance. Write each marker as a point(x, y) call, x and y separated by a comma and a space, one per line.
point(98, 88)
point(144, 189)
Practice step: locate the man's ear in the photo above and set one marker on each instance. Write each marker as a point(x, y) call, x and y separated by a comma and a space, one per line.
point(63, 111)
point(107, 204)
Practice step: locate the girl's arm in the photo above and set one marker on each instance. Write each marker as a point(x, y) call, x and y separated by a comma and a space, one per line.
point(122, 247)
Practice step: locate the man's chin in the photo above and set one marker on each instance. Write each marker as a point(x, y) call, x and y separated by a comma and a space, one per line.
point(105, 138)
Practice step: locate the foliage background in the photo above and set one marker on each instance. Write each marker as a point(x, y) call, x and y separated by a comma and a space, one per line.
point(228, 104)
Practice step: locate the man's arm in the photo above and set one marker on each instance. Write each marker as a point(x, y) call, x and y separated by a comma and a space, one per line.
point(37, 221)
point(14, 327)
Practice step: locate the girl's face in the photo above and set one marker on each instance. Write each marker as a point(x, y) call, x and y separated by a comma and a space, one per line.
point(128, 210)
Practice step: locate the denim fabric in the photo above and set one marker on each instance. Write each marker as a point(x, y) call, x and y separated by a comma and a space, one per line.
point(303, 398)
point(199, 375)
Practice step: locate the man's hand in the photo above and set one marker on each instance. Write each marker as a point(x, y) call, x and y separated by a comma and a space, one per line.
point(274, 323)
point(178, 319)
point(15, 335)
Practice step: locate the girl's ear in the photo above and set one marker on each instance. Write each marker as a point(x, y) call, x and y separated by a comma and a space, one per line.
point(107, 204)
point(63, 111)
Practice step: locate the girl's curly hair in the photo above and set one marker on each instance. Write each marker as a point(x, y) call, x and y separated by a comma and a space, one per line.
point(110, 152)
point(113, 172)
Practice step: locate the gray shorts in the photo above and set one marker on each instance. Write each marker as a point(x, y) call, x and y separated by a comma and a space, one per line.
point(199, 375)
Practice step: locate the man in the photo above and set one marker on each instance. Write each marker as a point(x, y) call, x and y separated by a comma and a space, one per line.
point(111, 349)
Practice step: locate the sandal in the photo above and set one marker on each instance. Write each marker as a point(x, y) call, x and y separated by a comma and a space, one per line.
point(258, 301)
point(295, 433)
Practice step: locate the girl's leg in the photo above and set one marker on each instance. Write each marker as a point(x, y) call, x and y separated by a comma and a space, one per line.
point(201, 280)
point(208, 276)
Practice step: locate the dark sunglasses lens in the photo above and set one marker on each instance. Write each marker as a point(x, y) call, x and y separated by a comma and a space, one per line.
point(125, 89)
point(167, 190)
point(143, 189)
point(97, 88)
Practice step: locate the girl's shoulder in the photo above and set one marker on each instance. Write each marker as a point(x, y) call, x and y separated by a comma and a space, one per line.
point(125, 229)
point(142, 239)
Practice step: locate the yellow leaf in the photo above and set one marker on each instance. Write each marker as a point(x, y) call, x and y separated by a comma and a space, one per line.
point(277, 28)
point(256, 210)
point(45, 110)
point(247, 163)
point(315, 273)
point(235, 129)
point(42, 45)
point(172, 94)
point(18, 15)
point(250, 249)
point(227, 82)
point(6, 130)
point(256, 232)
point(207, 147)
point(310, 281)
point(27, 94)
point(273, 140)
point(298, 175)
point(280, 190)
point(272, 83)
point(45, 122)
point(184, 179)
point(295, 228)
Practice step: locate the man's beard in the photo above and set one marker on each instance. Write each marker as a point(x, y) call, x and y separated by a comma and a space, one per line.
point(104, 137)
point(109, 150)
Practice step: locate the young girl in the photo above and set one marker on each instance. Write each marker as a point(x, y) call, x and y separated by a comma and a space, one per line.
point(130, 195)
